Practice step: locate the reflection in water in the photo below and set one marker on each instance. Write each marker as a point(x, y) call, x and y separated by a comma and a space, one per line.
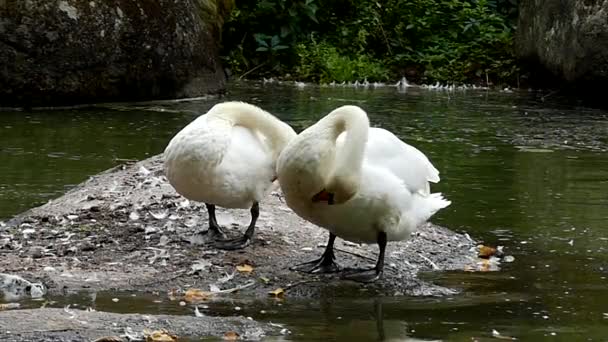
point(527, 175)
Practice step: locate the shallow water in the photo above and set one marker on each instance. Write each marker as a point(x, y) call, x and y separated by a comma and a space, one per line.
point(526, 174)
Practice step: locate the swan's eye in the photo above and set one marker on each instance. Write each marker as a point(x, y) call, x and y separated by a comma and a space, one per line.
point(324, 196)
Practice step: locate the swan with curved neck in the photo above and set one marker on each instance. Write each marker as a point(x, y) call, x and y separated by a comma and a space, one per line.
point(227, 157)
point(362, 184)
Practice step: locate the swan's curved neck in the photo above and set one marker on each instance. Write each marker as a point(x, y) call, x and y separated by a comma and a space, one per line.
point(349, 159)
point(255, 118)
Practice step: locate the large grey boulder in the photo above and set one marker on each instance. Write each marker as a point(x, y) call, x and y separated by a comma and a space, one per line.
point(75, 51)
point(568, 37)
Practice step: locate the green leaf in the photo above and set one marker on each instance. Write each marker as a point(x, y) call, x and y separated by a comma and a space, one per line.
point(261, 48)
point(274, 41)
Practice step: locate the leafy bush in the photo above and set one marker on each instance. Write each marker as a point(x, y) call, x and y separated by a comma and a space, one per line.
point(323, 63)
point(344, 40)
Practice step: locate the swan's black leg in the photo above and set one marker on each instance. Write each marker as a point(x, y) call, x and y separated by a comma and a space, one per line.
point(244, 240)
point(371, 274)
point(214, 228)
point(325, 264)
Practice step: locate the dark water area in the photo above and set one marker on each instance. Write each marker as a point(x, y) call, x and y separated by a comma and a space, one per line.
point(531, 176)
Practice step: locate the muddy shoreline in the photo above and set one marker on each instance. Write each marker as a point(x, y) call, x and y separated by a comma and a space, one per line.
point(126, 229)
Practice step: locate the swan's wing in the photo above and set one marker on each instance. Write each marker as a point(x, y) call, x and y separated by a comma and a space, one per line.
point(385, 150)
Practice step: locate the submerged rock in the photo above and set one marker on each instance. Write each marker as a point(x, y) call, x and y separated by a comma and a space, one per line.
point(79, 51)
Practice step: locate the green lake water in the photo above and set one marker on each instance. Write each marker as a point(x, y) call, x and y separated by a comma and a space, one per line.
point(529, 175)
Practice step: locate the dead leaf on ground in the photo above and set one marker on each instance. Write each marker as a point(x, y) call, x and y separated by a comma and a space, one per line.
point(9, 306)
point(160, 336)
point(231, 336)
point(197, 295)
point(244, 268)
point(486, 251)
point(277, 293)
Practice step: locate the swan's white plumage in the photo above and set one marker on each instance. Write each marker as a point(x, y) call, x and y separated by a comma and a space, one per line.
point(393, 178)
point(227, 157)
point(403, 160)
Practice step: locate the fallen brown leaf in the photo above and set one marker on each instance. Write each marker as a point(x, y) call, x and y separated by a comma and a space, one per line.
point(9, 306)
point(486, 252)
point(277, 293)
point(197, 295)
point(244, 268)
point(160, 336)
point(231, 336)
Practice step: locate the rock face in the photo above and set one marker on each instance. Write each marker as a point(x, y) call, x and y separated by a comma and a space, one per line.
point(77, 51)
point(567, 37)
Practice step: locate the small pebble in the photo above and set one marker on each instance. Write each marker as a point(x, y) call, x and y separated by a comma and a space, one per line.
point(115, 300)
point(182, 303)
point(37, 252)
point(237, 308)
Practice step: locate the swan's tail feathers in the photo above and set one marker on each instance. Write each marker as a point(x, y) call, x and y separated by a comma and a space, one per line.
point(430, 204)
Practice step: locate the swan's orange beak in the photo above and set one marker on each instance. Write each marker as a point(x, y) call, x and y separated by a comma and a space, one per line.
point(324, 196)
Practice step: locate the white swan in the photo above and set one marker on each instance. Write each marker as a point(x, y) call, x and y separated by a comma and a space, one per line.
point(227, 157)
point(362, 184)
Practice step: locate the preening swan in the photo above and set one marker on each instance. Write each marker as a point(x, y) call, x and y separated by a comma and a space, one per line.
point(227, 157)
point(362, 184)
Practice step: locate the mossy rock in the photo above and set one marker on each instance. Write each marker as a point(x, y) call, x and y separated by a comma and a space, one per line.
point(75, 51)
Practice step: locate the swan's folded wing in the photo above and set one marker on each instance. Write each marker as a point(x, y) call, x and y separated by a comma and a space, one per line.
point(385, 150)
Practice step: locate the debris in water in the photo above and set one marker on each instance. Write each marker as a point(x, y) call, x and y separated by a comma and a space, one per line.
point(277, 292)
point(486, 251)
point(197, 295)
point(9, 306)
point(159, 336)
point(115, 300)
point(231, 336)
point(499, 336)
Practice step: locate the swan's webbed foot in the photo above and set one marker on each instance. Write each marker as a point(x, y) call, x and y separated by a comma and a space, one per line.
point(232, 244)
point(245, 240)
point(370, 274)
point(216, 232)
point(325, 264)
point(321, 265)
point(367, 275)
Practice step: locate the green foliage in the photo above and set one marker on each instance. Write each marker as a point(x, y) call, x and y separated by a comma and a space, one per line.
point(323, 63)
point(344, 40)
